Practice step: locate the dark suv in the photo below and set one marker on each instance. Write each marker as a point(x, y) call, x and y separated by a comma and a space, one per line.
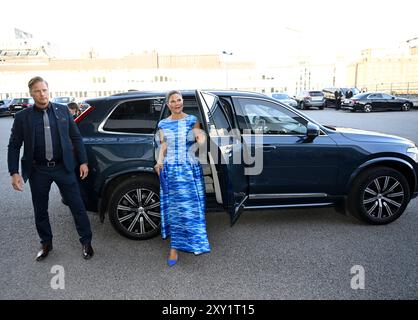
point(284, 160)
point(18, 104)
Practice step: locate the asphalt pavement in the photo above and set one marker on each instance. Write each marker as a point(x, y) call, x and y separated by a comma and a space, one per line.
point(274, 254)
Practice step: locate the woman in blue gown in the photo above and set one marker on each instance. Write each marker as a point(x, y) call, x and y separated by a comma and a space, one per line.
point(182, 188)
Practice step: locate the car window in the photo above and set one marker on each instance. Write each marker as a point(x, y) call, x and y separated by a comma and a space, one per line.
point(386, 96)
point(63, 99)
point(137, 116)
point(220, 120)
point(375, 96)
point(269, 118)
point(360, 96)
point(316, 93)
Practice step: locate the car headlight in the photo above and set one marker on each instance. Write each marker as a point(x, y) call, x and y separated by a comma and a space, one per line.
point(413, 153)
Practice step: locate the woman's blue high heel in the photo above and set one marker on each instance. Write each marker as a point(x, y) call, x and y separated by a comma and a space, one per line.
point(172, 262)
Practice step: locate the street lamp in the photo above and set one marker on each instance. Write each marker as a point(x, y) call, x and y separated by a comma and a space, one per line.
point(226, 67)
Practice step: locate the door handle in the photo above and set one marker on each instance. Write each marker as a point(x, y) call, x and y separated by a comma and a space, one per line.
point(269, 148)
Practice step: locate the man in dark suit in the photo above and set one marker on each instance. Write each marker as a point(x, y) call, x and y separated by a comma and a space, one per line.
point(52, 148)
point(338, 96)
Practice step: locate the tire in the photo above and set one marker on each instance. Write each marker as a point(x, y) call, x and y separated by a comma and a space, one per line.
point(406, 107)
point(379, 196)
point(131, 219)
point(367, 108)
point(322, 107)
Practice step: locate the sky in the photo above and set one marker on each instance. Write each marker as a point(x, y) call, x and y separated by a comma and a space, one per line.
point(262, 30)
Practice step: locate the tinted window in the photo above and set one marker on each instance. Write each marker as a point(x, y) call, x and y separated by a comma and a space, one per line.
point(220, 120)
point(360, 96)
point(375, 96)
point(139, 116)
point(269, 118)
point(23, 100)
point(386, 96)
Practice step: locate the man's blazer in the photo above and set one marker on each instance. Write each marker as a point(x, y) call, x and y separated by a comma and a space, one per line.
point(23, 132)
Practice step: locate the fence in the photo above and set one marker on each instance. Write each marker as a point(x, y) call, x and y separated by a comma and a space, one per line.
point(396, 88)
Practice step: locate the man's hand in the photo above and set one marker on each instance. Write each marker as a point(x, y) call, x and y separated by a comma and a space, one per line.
point(17, 182)
point(84, 171)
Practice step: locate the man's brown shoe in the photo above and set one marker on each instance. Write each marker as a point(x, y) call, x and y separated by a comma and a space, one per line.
point(46, 248)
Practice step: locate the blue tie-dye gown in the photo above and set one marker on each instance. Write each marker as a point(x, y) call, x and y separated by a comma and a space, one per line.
point(182, 189)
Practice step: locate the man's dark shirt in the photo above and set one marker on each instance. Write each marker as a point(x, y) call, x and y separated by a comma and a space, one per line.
point(39, 146)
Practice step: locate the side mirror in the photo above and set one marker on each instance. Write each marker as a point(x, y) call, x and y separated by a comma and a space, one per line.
point(312, 130)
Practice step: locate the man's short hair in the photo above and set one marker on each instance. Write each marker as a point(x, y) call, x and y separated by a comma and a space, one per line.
point(34, 80)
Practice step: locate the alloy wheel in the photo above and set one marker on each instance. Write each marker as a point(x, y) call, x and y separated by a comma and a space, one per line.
point(405, 107)
point(367, 108)
point(138, 211)
point(383, 197)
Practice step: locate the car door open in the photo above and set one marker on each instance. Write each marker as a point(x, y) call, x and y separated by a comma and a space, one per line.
point(225, 154)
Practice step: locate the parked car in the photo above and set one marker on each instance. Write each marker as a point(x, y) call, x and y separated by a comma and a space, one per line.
point(63, 100)
point(18, 104)
point(285, 98)
point(329, 94)
point(376, 101)
point(303, 163)
point(307, 99)
point(4, 107)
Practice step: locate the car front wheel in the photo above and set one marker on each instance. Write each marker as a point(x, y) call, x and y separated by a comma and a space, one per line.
point(134, 208)
point(379, 195)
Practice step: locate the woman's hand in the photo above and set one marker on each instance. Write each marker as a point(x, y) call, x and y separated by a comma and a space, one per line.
point(158, 167)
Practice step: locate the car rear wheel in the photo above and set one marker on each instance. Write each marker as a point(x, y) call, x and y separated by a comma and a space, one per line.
point(367, 108)
point(379, 196)
point(134, 208)
point(406, 107)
